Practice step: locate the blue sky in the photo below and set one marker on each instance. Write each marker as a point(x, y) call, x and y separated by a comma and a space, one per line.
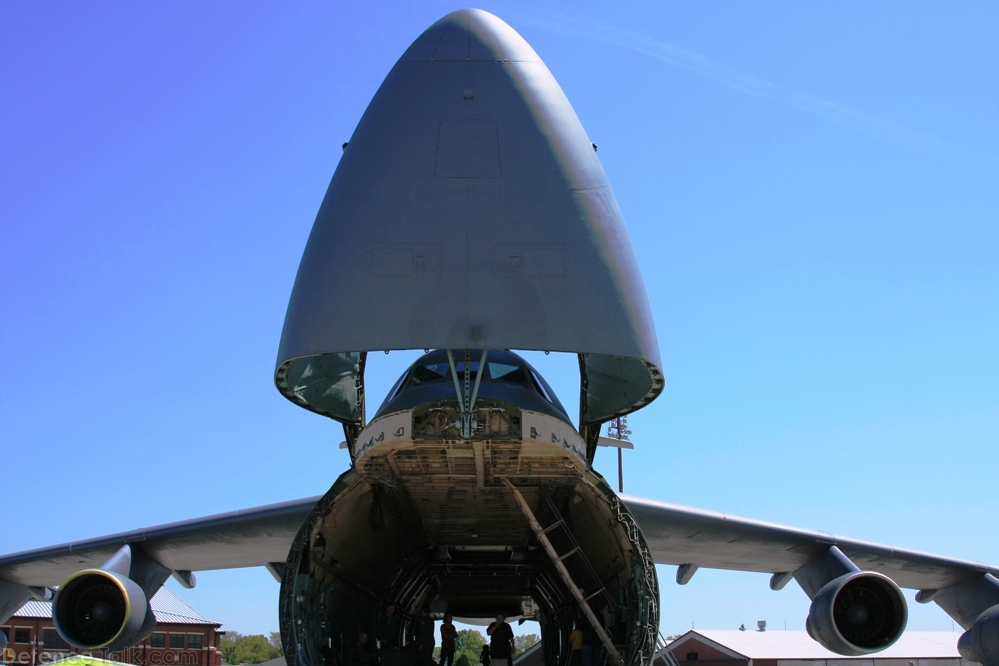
point(811, 189)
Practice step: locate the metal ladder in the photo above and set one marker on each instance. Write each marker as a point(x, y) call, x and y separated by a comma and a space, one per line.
point(663, 651)
point(581, 600)
point(596, 586)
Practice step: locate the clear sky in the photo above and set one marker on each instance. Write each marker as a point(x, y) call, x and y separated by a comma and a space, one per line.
point(812, 190)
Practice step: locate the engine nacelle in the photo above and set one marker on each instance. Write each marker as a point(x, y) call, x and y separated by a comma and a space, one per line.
point(857, 613)
point(980, 643)
point(100, 609)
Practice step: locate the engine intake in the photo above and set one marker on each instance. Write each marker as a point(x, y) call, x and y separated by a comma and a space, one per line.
point(857, 613)
point(99, 609)
point(980, 643)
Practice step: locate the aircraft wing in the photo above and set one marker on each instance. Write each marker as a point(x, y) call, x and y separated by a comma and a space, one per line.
point(248, 538)
point(675, 534)
point(685, 535)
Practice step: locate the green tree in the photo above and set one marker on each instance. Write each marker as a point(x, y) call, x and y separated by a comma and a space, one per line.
point(239, 649)
point(275, 640)
point(227, 646)
point(523, 643)
point(467, 646)
point(469, 639)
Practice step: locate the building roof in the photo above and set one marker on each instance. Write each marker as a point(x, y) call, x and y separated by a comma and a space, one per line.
point(799, 645)
point(167, 607)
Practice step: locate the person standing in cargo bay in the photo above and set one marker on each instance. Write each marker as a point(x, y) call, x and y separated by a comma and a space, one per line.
point(576, 643)
point(448, 635)
point(592, 645)
point(387, 629)
point(500, 641)
point(423, 636)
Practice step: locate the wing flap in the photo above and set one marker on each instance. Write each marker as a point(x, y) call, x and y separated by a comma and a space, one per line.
point(679, 534)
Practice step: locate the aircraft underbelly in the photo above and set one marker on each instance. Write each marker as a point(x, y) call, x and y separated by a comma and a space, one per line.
point(453, 482)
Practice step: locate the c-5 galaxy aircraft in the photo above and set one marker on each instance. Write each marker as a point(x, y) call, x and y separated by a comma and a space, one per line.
point(470, 216)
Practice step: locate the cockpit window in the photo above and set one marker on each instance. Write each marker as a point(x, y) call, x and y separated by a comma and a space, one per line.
point(397, 387)
point(432, 372)
point(441, 372)
point(430, 378)
point(508, 373)
point(511, 374)
point(459, 366)
point(540, 388)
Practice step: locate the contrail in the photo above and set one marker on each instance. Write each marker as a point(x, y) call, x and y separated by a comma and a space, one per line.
point(748, 84)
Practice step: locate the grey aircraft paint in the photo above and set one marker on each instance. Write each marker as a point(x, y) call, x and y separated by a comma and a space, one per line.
point(676, 534)
point(469, 210)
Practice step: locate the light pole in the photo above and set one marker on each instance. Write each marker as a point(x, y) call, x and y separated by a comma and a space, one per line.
point(618, 429)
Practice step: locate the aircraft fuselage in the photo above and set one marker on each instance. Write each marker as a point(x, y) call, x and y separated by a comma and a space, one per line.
point(431, 516)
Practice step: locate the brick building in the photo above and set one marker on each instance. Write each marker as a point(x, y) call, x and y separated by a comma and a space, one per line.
point(183, 637)
point(715, 647)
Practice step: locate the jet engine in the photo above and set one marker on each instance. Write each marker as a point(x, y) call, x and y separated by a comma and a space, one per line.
point(105, 608)
point(96, 609)
point(974, 604)
point(980, 643)
point(857, 613)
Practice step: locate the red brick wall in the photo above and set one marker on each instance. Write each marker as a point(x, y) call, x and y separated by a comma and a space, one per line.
point(35, 652)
